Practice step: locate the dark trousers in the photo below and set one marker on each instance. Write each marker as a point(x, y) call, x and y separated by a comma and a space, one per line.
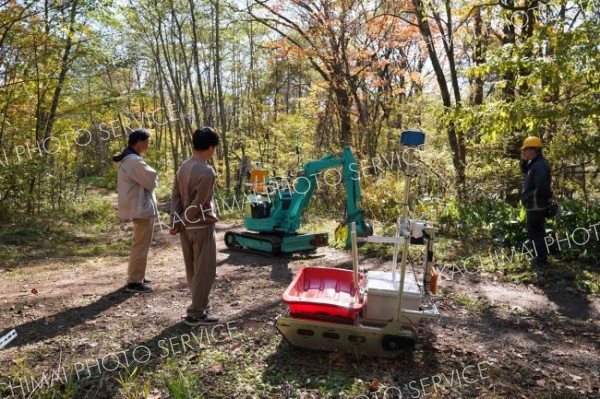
point(536, 230)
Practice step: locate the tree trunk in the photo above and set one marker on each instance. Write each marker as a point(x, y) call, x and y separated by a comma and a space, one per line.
point(221, 101)
point(509, 77)
point(64, 68)
point(479, 58)
point(455, 139)
point(203, 102)
point(343, 105)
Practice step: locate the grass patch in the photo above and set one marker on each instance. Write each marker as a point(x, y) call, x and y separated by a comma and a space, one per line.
point(473, 304)
point(460, 259)
point(86, 229)
point(254, 363)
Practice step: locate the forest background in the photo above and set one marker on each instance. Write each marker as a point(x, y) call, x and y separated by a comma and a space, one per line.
point(285, 82)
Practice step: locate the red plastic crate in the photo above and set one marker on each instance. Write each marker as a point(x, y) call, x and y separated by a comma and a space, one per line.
point(323, 292)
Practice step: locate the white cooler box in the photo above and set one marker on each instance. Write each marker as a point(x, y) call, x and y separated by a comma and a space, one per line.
point(382, 297)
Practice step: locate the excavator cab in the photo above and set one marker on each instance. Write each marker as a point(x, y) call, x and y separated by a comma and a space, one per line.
point(258, 179)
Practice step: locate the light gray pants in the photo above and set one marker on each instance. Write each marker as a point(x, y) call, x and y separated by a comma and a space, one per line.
point(200, 256)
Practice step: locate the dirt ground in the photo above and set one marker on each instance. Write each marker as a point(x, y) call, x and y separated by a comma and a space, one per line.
point(527, 341)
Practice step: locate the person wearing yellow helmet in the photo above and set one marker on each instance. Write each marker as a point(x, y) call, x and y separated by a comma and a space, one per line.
point(536, 194)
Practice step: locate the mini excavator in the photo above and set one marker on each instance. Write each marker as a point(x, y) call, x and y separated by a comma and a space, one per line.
point(276, 209)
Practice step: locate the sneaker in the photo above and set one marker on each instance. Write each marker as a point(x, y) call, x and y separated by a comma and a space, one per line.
point(200, 321)
point(138, 288)
point(146, 281)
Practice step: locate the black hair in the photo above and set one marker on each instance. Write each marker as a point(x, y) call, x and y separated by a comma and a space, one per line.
point(138, 135)
point(204, 138)
point(134, 138)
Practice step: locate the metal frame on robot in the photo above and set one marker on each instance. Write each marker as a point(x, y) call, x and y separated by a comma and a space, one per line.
point(364, 337)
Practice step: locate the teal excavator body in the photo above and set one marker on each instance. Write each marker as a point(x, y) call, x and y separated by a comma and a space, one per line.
point(276, 214)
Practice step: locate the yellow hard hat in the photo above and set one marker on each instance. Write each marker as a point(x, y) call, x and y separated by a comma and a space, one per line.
point(532, 142)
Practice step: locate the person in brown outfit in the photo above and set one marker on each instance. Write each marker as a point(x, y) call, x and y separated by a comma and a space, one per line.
point(136, 182)
point(193, 218)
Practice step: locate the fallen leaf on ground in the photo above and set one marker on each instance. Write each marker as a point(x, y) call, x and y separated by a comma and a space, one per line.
point(374, 385)
point(216, 369)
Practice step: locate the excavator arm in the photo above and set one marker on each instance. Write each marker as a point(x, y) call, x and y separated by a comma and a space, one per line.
point(308, 179)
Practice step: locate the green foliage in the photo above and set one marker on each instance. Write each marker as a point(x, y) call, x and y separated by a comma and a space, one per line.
point(94, 211)
point(496, 223)
point(103, 182)
point(183, 385)
point(177, 389)
point(131, 386)
point(475, 304)
point(573, 217)
point(383, 198)
point(490, 219)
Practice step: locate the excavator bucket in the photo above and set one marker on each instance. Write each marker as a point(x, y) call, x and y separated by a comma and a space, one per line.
point(342, 234)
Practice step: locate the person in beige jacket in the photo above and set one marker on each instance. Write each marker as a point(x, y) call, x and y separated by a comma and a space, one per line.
point(136, 182)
